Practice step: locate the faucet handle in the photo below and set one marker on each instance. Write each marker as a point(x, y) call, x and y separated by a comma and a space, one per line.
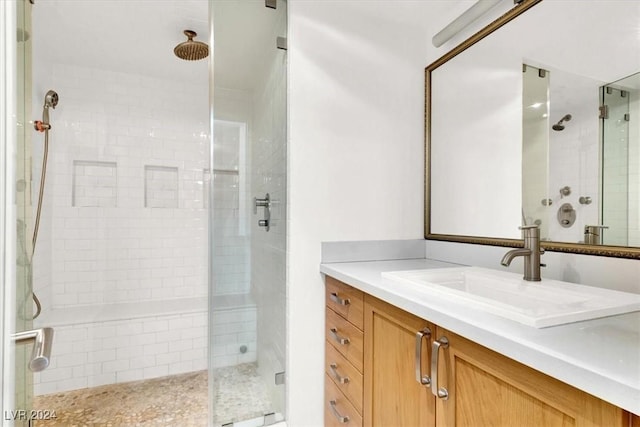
point(530, 231)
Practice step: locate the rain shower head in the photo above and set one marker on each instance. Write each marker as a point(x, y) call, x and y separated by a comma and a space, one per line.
point(559, 126)
point(191, 50)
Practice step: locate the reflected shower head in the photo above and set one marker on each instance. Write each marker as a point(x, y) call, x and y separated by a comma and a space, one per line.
point(191, 50)
point(559, 126)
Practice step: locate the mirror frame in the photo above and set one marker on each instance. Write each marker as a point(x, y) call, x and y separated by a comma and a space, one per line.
point(577, 248)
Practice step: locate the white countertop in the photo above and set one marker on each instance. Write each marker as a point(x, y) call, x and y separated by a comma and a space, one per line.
point(600, 356)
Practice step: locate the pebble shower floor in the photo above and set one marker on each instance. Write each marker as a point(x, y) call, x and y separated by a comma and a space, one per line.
point(178, 400)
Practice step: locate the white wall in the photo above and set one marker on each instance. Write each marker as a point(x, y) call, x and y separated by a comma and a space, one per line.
point(356, 102)
point(356, 96)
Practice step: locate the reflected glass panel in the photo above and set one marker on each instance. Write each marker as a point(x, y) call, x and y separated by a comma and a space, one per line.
point(621, 162)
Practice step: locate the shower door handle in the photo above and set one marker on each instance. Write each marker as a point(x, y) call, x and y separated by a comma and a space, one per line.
point(261, 203)
point(42, 340)
point(266, 204)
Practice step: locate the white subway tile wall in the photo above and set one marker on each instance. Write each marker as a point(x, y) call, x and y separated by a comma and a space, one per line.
point(124, 220)
point(98, 353)
point(94, 184)
point(160, 187)
point(155, 131)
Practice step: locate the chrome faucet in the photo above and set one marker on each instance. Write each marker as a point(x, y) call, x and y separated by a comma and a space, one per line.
point(531, 253)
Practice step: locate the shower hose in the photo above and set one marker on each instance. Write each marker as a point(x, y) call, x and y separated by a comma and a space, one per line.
point(36, 227)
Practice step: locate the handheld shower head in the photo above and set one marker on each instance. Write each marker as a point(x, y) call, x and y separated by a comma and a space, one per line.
point(51, 99)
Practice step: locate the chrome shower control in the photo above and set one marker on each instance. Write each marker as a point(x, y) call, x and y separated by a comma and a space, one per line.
point(263, 203)
point(566, 215)
point(585, 200)
point(266, 204)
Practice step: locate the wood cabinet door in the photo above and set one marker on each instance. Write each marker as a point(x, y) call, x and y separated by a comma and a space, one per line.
point(392, 396)
point(488, 389)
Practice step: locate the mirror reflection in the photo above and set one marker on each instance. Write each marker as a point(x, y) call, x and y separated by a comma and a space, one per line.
point(581, 157)
point(539, 123)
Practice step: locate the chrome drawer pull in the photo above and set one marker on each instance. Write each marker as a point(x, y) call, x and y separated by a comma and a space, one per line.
point(441, 392)
point(422, 379)
point(338, 338)
point(334, 370)
point(335, 298)
point(334, 411)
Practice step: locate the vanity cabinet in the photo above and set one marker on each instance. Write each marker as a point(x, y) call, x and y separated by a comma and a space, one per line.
point(477, 386)
point(395, 355)
point(487, 388)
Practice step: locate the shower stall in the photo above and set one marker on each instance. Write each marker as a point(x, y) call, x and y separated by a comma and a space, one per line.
point(153, 261)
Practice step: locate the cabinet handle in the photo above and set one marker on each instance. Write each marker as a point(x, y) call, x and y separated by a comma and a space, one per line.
point(334, 370)
point(338, 338)
point(335, 298)
point(341, 419)
point(422, 379)
point(441, 392)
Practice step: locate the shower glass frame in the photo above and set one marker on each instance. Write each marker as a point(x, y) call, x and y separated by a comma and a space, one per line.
point(15, 215)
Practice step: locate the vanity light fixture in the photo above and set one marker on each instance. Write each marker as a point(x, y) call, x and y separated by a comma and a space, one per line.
point(461, 22)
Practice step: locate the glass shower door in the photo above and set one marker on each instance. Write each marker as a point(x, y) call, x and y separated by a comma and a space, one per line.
point(248, 212)
point(18, 289)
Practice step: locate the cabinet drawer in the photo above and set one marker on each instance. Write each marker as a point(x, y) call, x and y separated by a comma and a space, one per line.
point(344, 375)
point(345, 337)
point(346, 301)
point(338, 411)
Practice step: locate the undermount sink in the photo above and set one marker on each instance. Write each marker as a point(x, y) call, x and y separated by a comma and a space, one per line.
point(539, 304)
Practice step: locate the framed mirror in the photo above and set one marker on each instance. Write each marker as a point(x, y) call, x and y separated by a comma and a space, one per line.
point(536, 120)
